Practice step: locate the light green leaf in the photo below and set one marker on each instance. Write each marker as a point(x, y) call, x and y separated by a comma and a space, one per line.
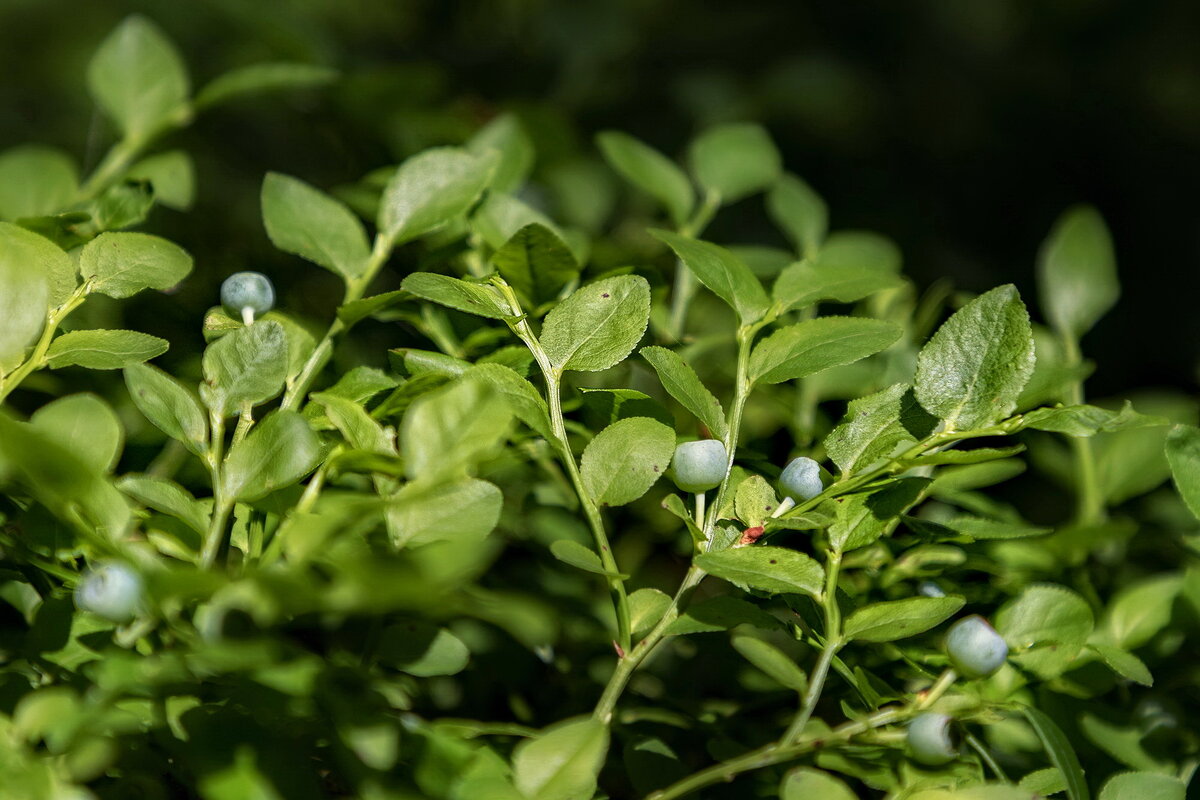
point(422, 649)
point(800, 213)
point(1089, 420)
point(845, 251)
point(172, 177)
point(804, 283)
point(307, 222)
point(735, 160)
point(355, 424)
point(168, 498)
point(35, 255)
point(1077, 272)
point(803, 349)
point(1046, 627)
point(899, 619)
point(650, 171)
point(1043, 782)
point(169, 405)
point(35, 181)
point(983, 529)
point(247, 366)
point(431, 189)
point(259, 78)
point(1183, 454)
point(775, 570)
point(626, 459)
point(138, 78)
point(682, 383)
point(463, 511)
point(280, 450)
point(1139, 611)
point(875, 426)
point(755, 501)
point(506, 135)
point(122, 264)
point(974, 368)
point(1124, 663)
point(536, 263)
point(1143, 786)
point(480, 299)
point(562, 762)
point(978, 455)
point(448, 431)
point(864, 518)
point(85, 425)
point(24, 297)
point(356, 311)
point(1061, 754)
point(720, 614)
point(646, 607)
point(806, 783)
point(771, 660)
point(722, 272)
point(96, 349)
point(581, 557)
point(522, 398)
point(598, 325)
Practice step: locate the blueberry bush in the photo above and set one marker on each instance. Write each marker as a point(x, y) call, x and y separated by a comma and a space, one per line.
point(622, 513)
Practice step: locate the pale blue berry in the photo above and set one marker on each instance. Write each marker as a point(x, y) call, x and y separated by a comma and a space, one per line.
point(700, 465)
point(974, 647)
point(112, 591)
point(801, 479)
point(931, 739)
point(251, 290)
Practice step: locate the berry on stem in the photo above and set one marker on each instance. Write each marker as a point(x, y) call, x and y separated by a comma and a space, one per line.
point(700, 466)
point(112, 591)
point(801, 479)
point(245, 294)
point(975, 648)
point(932, 740)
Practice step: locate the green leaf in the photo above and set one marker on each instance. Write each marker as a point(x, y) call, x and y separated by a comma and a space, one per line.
point(804, 283)
point(96, 349)
point(355, 424)
point(562, 762)
point(981, 528)
point(876, 426)
point(85, 425)
point(581, 557)
point(899, 619)
point(122, 264)
point(722, 272)
point(775, 570)
point(536, 263)
point(422, 649)
point(463, 511)
point(247, 366)
point(1046, 627)
point(755, 501)
point(1043, 782)
point(806, 783)
point(800, 213)
point(506, 135)
point(172, 177)
point(169, 405)
point(522, 398)
point(36, 254)
point(138, 78)
point(973, 369)
point(307, 222)
point(1058, 748)
point(431, 189)
point(1077, 272)
point(1143, 786)
point(1089, 420)
point(598, 325)
point(803, 349)
point(720, 614)
point(35, 181)
point(168, 498)
point(626, 459)
point(280, 450)
point(24, 297)
point(978, 455)
point(682, 383)
point(771, 660)
point(650, 171)
point(357, 310)
point(480, 299)
point(846, 251)
point(603, 407)
point(646, 607)
point(864, 518)
point(1183, 454)
point(735, 160)
point(1124, 663)
point(1141, 610)
point(259, 78)
point(448, 431)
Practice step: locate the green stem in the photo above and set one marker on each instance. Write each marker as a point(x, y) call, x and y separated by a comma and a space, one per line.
point(685, 282)
point(221, 506)
point(833, 642)
point(1089, 508)
point(37, 358)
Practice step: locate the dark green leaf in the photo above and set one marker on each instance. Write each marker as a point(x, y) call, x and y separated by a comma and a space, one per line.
point(776, 570)
point(1183, 454)
point(1058, 748)
point(309, 223)
point(166, 497)
point(536, 263)
point(899, 619)
point(771, 660)
point(865, 517)
point(722, 272)
point(169, 405)
point(800, 213)
point(1124, 663)
point(681, 382)
point(720, 614)
point(650, 171)
point(806, 348)
point(422, 649)
point(1089, 420)
point(259, 78)
point(581, 557)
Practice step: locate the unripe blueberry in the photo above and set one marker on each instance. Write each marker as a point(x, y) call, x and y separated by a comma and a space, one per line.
point(700, 465)
point(932, 740)
point(974, 647)
point(112, 591)
point(801, 479)
point(251, 290)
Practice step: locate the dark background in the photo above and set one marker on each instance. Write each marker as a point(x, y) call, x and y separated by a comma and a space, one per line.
point(959, 128)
